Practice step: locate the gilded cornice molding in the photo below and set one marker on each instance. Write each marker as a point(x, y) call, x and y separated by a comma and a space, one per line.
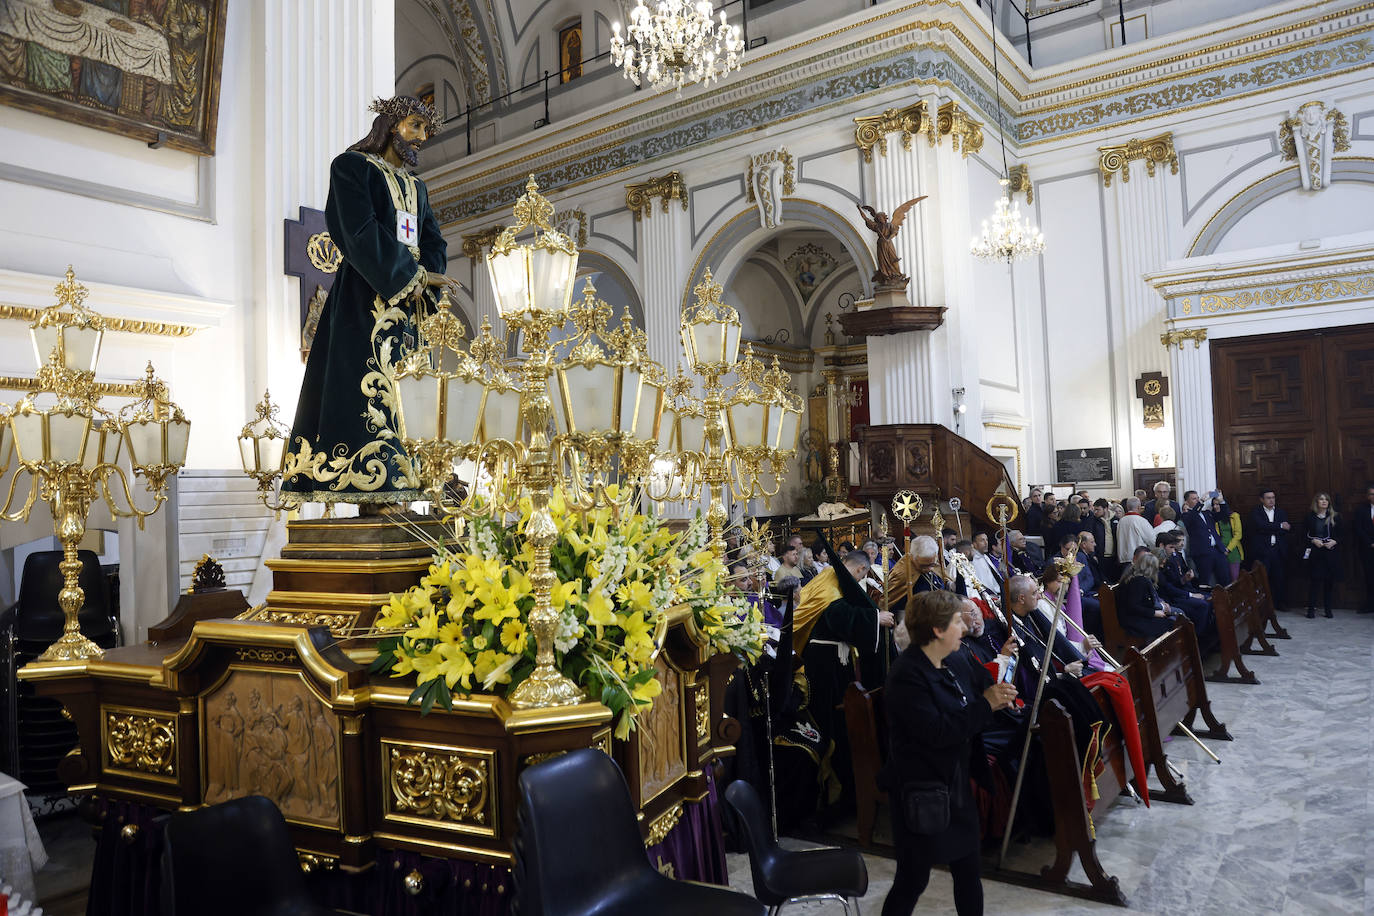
point(1172, 338)
point(872, 130)
point(867, 58)
point(964, 132)
point(114, 389)
point(639, 196)
point(1118, 158)
point(1294, 281)
point(1021, 181)
point(475, 242)
point(125, 325)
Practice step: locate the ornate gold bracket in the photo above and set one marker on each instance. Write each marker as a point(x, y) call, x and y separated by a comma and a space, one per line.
point(872, 130)
point(1020, 181)
point(1196, 335)
point(639, 197)
point(1155, 150)
point(475, 243)
point(789, 171)
point(964, 132)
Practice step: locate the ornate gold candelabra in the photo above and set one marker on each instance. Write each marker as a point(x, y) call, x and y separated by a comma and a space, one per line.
point(72, 448)
point(744, 427)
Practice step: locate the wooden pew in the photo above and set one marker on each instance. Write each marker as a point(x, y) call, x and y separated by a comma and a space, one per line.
point(1114, 638)
point(1264, 602)
point(867, 725)
point(1168, 688)
point(1074, 830)
point(1235, 628)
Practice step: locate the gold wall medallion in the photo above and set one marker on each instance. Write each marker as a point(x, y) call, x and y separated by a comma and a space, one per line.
point(266, 733)
point(323, 253)
point(139, 742)
point(438, 785)
point(1112, 160)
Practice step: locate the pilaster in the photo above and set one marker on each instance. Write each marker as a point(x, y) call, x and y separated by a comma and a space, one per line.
point(476, 246)
point(660, 205)
point(1138, 193)
point(1190, 362)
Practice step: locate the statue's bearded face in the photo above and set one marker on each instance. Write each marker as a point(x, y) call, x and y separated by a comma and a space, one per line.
point(407, 137)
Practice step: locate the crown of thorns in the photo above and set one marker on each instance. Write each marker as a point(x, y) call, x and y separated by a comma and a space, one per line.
point(399, 107)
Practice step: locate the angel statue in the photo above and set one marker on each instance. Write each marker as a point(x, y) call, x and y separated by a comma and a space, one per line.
point(889, 273)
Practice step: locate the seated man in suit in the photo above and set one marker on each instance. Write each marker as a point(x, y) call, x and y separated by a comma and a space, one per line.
point(1025, 557)
point(1032, 628)
point(1204, 545)
point(1090, 578)
point(1176, 587)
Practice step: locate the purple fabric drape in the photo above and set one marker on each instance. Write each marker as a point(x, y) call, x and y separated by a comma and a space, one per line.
point(695, 848)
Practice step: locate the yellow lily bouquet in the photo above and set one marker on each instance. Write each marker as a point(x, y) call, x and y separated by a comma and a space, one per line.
point(465, 627)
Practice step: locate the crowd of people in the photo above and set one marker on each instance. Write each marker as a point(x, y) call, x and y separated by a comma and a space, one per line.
point(964, 631)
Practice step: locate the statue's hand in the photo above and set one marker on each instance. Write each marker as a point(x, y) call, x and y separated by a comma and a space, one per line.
point(442, 280)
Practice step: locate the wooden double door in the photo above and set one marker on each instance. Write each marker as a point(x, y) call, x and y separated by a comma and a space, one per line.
point(1295, 412)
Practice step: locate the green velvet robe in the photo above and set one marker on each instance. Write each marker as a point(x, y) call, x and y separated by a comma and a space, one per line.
point(345, 442)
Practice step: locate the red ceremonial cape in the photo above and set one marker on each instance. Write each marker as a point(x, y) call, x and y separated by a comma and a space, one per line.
point(1124, 705)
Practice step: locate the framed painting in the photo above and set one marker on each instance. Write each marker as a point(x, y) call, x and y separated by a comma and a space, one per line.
point(148, 69)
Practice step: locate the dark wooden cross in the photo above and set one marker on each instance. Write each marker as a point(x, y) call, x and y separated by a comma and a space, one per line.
point(312, 257)
point(1151, 388)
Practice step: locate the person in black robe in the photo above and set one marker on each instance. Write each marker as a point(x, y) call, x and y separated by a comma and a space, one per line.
point(345, 443)
point(842, 638)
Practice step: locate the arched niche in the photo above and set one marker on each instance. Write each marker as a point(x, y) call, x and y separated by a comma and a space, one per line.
point(1281, 201)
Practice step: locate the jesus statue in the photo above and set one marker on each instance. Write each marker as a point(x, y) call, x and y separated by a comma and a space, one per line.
point(345, 443)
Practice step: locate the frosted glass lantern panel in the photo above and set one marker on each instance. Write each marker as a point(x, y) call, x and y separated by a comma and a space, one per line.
point(587, 398)
point(693, 433)
point(553, 273)
point(510, 281)
point(28, 436)
point(501, 415)
point(419, 405)
point(790, 427)
point(178, 441)
point(111, 442)
point(668, 443)
point(464, 410)
point(747, 424)
point(68, 436)
point(145, 443)
point(80, 346)
point(633, 394)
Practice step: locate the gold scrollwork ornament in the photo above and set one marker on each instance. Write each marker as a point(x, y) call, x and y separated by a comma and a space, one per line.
point(141, 743)
point(323, 253)
point(444, 787)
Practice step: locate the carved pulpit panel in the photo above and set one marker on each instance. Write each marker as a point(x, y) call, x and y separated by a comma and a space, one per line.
point(661, 737)
point(266, 733)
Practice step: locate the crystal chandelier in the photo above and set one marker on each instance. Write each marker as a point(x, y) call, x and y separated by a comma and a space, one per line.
point(1007, 236)
point(677, 45)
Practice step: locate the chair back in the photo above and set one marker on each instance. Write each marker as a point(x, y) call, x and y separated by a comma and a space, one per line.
point(232, 858)
point(39, 617)
point(757, 833)
point(577, 836)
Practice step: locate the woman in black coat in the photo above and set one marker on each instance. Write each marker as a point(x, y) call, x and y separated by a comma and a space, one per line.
point(1139, 609)
point(1323, 562)
point(932, 722)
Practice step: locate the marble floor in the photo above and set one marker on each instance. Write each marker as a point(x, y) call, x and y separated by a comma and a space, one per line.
point(1282, 826)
